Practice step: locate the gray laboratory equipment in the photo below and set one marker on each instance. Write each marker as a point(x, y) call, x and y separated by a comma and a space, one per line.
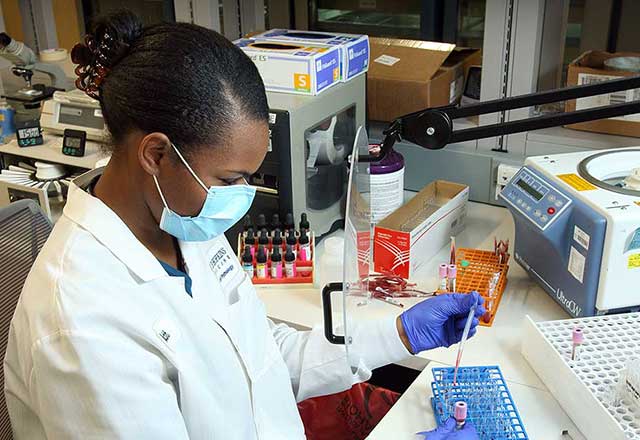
point(305, 169)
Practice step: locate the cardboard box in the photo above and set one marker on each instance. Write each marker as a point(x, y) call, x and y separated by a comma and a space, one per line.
point(305, 69)
point(588, 69)
point(410, 236)
point(407, 76)
point(354, 49)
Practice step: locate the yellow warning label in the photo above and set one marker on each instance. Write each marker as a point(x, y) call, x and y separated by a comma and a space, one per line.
point(576, 182)
point(634, 261)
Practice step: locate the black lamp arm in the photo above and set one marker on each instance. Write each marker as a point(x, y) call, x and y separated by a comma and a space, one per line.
point(433, 128)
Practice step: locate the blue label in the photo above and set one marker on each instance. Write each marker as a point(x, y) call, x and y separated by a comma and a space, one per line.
point(357, 58)
point(7, 127)
point(243, 42)
point(325, 67)
point(302, 54)
point(341, 39)
point(275, 33)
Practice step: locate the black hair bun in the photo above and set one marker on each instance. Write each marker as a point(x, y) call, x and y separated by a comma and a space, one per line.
point(4, 39)
point(111, 40)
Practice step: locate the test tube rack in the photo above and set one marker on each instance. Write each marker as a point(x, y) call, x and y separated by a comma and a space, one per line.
point(489, 403)
point(477, 274)
point(306, 270)
point(584, 387)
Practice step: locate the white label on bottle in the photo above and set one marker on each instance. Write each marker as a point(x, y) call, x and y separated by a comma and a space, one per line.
point(576, 264)
point(387, 60)
point(290, 269)
point(305, 252)
point(608, 99)
point(387, 192)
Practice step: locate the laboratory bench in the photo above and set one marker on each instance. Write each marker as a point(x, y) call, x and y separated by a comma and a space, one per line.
point(499, 344)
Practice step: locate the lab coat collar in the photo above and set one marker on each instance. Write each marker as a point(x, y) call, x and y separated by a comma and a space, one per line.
point(92, 214)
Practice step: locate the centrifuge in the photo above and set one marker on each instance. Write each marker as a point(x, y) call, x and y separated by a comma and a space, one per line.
point(577, 225)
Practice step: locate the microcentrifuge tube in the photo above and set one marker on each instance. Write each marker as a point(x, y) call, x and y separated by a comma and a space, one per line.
point(460, 414)
point(577, 337)
point(451, 274)
point(442, 274)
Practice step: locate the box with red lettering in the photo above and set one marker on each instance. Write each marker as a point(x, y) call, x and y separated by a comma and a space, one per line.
point(411, 235)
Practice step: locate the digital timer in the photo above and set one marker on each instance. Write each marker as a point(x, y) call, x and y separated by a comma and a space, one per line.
point(29, 133)
point(73, 142)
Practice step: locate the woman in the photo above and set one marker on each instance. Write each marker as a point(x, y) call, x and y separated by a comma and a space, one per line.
point(137, 320)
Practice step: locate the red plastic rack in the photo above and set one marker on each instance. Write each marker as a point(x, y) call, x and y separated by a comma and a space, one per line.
point(305, 269)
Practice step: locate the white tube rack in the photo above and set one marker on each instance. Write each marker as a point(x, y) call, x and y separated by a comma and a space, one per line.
point(584, 387)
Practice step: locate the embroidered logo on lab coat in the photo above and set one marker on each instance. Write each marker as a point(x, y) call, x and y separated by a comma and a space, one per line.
point(222, 265)
point(168, 332)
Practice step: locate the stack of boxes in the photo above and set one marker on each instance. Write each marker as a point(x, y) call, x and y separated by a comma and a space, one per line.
point(305, 62)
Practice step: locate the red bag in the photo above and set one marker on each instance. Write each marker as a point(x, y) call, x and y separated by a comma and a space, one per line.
point(350, 415)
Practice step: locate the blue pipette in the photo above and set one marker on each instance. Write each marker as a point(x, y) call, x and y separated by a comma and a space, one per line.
point(465, 335)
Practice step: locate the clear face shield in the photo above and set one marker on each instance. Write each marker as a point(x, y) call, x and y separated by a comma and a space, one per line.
point(354, 288)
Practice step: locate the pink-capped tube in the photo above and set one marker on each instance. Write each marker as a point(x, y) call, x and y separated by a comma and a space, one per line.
point(577, 337)
point(460, 413)
point(452, 271)
point(442, 274)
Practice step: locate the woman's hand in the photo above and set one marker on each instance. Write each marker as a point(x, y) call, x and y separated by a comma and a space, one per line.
point(439, 321)
point(448, 431)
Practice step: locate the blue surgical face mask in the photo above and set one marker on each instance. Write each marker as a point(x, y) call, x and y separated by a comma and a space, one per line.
point(222, 208)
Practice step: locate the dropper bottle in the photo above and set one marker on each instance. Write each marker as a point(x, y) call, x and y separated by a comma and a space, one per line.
point(290, 263)
point(247, 261)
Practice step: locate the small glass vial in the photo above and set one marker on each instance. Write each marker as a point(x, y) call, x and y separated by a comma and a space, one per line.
point(261, 263)
point(305, 246)
point(290, 263)
point(247, 261)
point(276, 263)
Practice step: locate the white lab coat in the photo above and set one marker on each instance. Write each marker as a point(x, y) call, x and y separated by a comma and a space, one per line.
point(105, 345)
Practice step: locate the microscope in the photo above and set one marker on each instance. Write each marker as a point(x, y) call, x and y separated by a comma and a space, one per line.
point(24, 65)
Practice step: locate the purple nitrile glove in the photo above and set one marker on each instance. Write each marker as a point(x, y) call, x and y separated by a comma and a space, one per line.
point(439, 321)
point(448, 431)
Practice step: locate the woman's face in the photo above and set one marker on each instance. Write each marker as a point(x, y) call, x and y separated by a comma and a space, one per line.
point(231, 163)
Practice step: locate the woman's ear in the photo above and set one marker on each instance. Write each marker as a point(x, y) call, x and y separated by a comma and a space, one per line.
point(153, 149)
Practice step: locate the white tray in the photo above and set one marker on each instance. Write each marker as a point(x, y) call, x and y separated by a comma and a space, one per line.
point(584, 387)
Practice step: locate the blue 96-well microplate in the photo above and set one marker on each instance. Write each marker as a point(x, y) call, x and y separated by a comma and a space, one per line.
point(489, 403)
